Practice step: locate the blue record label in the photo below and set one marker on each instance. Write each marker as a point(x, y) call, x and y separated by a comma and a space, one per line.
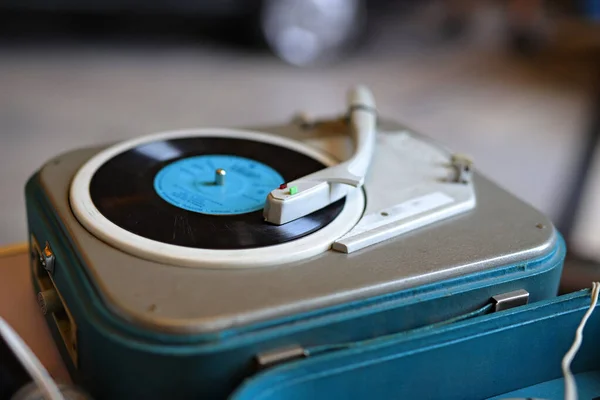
point(240, 186)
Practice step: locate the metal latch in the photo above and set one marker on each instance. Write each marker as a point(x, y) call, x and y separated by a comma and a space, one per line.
point(512, 299)
point(47, 259)
point(278, 356)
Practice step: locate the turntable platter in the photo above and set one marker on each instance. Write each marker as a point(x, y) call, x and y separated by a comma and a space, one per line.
point(195, 198)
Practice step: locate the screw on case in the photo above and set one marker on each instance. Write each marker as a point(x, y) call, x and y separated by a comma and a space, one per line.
point(462, 168)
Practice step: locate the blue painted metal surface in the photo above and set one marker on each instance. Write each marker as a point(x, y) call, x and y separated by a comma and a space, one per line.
point(118, 359)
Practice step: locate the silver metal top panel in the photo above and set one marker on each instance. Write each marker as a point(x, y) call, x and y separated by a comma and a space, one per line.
point(500, 230)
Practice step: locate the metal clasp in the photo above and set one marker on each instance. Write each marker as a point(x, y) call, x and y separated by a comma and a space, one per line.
point(512, 299)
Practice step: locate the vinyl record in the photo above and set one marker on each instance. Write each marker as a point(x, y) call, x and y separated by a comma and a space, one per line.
point(167, 191)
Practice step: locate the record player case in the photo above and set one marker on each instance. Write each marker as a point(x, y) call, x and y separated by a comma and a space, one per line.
point(132, 328)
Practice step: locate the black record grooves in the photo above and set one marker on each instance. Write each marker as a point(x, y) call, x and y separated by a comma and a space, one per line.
point(123, 191)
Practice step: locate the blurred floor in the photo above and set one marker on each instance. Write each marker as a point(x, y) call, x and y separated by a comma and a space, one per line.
point(471, 95)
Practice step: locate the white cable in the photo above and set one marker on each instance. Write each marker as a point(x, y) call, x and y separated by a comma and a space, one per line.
point(33, 366)
point(570, 385)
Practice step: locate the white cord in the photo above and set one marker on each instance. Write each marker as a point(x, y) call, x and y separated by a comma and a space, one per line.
point(30, 362)
point(570, 385)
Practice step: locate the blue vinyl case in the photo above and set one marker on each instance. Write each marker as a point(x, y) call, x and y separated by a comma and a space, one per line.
point(511, 354)
point(398, 339)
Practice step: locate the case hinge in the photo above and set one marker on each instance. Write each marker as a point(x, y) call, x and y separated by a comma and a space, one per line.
point(278, 356)
point(512, 299)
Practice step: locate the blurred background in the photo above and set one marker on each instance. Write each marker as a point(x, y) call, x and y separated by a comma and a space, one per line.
point(515, 84)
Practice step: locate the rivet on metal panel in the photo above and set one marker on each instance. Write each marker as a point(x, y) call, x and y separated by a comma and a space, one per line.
point(508, 300)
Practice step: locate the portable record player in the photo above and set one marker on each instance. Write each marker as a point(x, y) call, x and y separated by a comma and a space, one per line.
point(178, 264)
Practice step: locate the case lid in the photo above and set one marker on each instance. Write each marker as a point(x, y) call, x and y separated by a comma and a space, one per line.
point(508, 354)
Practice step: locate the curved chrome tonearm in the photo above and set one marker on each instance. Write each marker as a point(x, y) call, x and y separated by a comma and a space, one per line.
point(317, 190)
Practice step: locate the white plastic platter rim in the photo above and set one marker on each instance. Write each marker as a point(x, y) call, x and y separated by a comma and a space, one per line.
point(308, 246)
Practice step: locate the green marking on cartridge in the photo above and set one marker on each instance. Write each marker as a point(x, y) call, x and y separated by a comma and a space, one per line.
point(293, 190)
